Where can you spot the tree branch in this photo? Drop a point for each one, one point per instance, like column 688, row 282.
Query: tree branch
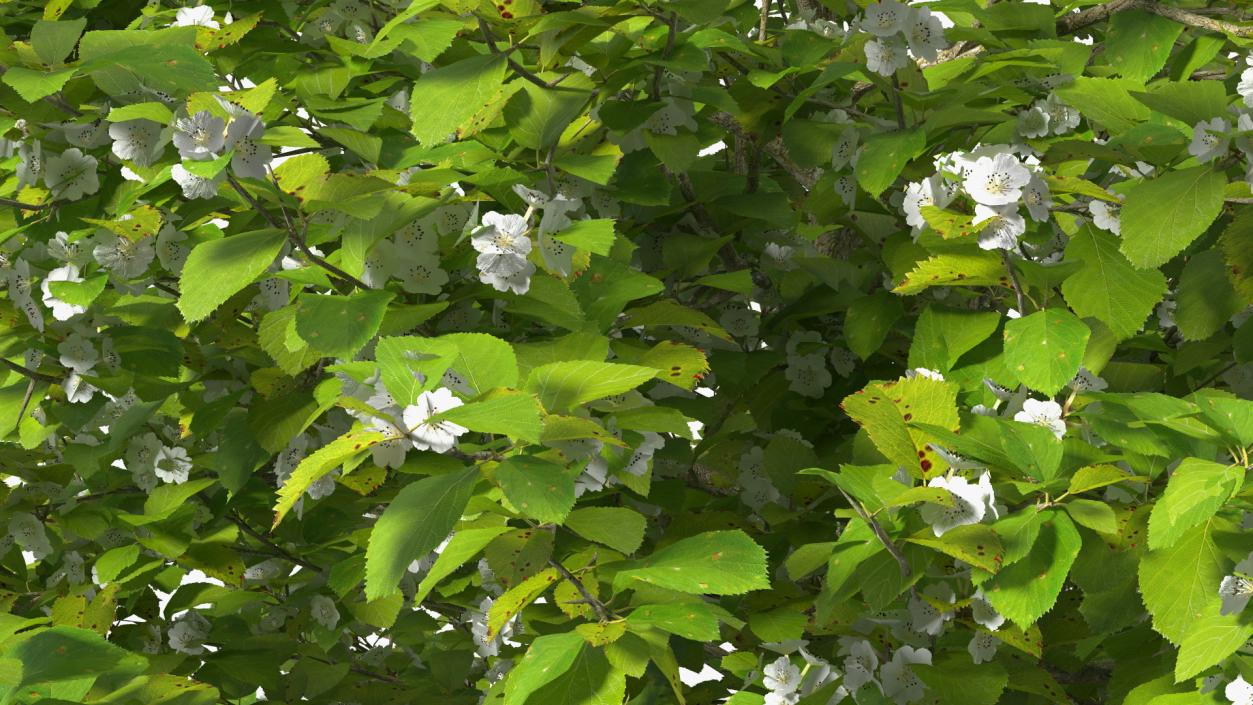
column 30, row 374
column 279, row 551
column 519, row 69
column 25, row 206
column 294, row 237
column 602, row 612
column 880, row 533
column 1074, row 22
column 1013, row 279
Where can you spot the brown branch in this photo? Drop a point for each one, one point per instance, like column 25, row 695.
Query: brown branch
column 521, row 70
column 880, row 533
column 25, row 206
column 30, row 374
column 602, row 612
column 279, row 551
column 1074, row 22
column 294, row 237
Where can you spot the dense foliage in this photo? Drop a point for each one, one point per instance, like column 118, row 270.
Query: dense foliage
column 648, row 351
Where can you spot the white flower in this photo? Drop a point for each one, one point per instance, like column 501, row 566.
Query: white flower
column 195, row 186
column 885, row 18
column 845, row 150
column 756, row 489
column 171, row 251
column 638, row 462
column 69, row 251
column 898, row 679
column 78, row 354
column 195, row 17
column 71, row 174
column 200, row 136
column 846, row 188
column 1037, row 198
column 323, row 611
column 1002, row 226
column 1105, row 215
column 1033, row 122
column 925, row 34
column 31, row 167
column 996, row 181
column 886, row 56
column 77, row 390
column 389, row 453
column 1239, row 691
column 1062, row 117
column 61, row 310
column 141, row 459
column 1210, row 139
column 28, row 532
column 808, row 374
column 971, row 503
column 421, row 273
column 924, row 618
column 982, row 647
column 172, row 465
column 124, row 257
column 740, row 321
column 931, row 191
column 188, row 633
column 1086, row 381
column 87, row 134
column 243, row 135
column 503, row 245
column 782, row 679
column 1046, row 413
column 441, row 436
column 1245, row 86
column 984, row 613
column 1235, row 590
column 140, row 141
column 924, row 373
column 860, row 662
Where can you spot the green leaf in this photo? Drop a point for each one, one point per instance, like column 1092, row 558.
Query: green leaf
column 690, row 620
column 1026, row 590
column 619, row 528
column 318, row 464
column 956, row 680
column 35, row 85
column 417, row 520
column 1188, row 101
column 943, row 335
column 947, row 224
column 589, row 680
column 1209, row 642
column 886, row 409
column 175, row 69
column 446, row 99
column 69, row 653
column 1164, row 215
column 516, row 598
column 1044, row 350
column 1093, row 477
column 547, row 659
column 1107, row 102
column 1196, row 490
column 954, row 269
column 217, row 270
column 1097, row 516
column 539, row 489
column 509, row 413
column 277, row 336
column 593, row 235
column 53, row 41
column 712, row 563
column 464, row 545
column 537, row 116
column 79, row 293
column 1205, row 297
column 1139, row 43
column 885, row 156
column 869, row 320
column 1179, row 584
column 339, row 326
column 976, row 544
column 149, row 110
column 565, row 385
column 1107, row 287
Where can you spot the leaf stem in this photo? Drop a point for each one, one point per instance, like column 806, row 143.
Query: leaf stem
column 879, row 533
column 602, row 612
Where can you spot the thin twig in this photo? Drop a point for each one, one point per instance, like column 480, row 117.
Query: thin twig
column 900, row 105
column 294, row 237
column 602, row 612
column 658, row 70
column 25, row 206
column 1013, row 279
column 279, row 551
column 521, row 70
column 30, row 374
column 880, row 533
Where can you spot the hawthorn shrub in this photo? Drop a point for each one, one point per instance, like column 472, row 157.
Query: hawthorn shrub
column 632, row 351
